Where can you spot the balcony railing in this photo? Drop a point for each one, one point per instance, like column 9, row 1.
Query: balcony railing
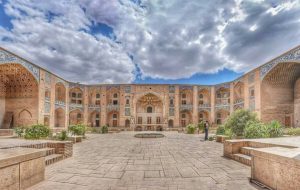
column 94, row 107
column 47, row 99
column 188, row 107
column 113, row 107
column 60, row 103
column 76, row 105
column 204, row 106
column 239, row 101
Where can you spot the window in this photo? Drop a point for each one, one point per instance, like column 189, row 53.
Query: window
column 183, row 123
column 158, row 120
column 171, row 123
column 183, row 115
column 149, row 109
column 79, row 95
column 97, row 102
column 97, row 95
column 115, row 102
column 79, row 116
column 201, row 102
column 127, row 101
column 73, row 101
column 219, row 95
column 219, row 115
column 73, row 95
column 115, row 95
column 149, row 120
column 140, row 120
column 183, row 95
column 97, row 116
column 127, row 123
column 171, row 102
column 183, row 102
column 252, row 94
column 79, row 102
column 115, row 116
column 47, row 94
column 201, row 96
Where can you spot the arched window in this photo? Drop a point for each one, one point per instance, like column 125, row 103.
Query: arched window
column 114, row 116
column 127, row 123
column 79, row 116
column 97, row 96
column 115, row 95
column 149, row 109
column 183, row 115
column 183, row 95
column 201, row 96
column 171, row 123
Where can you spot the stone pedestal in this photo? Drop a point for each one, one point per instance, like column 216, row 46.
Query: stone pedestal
column 277, row 167
column 21, row 168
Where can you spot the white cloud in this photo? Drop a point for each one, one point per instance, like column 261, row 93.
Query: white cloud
column 167, row 39
column 62, row 47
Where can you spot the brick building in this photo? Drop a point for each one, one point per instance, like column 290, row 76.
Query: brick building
column 30, row 94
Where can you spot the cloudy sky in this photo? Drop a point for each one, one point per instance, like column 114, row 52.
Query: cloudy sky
column 149, row 41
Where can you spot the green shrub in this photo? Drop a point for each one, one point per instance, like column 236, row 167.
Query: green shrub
column 220, row 130
column 292, row 131
column 104, row 129
column 228, row 132
column 63, row 135
column 200, row 126
column 274, row 129
column 96, row 130
column 20, row 131
column 211, row 138
column 255, row 129
column 78, row 129
column 237, row 121
column 36, row 132
column 190, row 128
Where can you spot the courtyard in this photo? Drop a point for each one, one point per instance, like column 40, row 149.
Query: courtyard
column 121, row 161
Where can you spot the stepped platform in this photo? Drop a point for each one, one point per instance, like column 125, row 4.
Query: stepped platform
column 275, row 162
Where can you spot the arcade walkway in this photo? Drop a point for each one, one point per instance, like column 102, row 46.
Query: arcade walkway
column 120, row 161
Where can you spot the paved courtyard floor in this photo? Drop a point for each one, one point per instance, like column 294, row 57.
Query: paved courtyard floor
column 121, row 161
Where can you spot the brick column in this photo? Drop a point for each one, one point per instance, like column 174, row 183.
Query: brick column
column 67, row 108
column 52, row 102
column 257, row 93
column 177, row 105
column 85, row 105
column 212, row 104
column 195, row 104
column 231, row 97
column 103, row 99
column 41, row 98
column 246, row 92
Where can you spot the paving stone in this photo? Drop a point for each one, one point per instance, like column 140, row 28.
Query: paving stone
column 120, row 161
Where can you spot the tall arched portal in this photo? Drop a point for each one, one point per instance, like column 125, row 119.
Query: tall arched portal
column 280, row 94
column 149, row 112
column 18, row 96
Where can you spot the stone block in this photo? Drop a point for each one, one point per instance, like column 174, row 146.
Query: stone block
column 9, row 177
column 32, row 172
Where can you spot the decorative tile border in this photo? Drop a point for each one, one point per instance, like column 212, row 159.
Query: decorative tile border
column 6, row 57
column 293, row 55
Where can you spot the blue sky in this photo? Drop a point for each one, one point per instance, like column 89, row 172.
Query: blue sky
column 142, row 41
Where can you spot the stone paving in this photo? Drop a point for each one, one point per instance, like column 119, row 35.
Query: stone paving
column 121, row 161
